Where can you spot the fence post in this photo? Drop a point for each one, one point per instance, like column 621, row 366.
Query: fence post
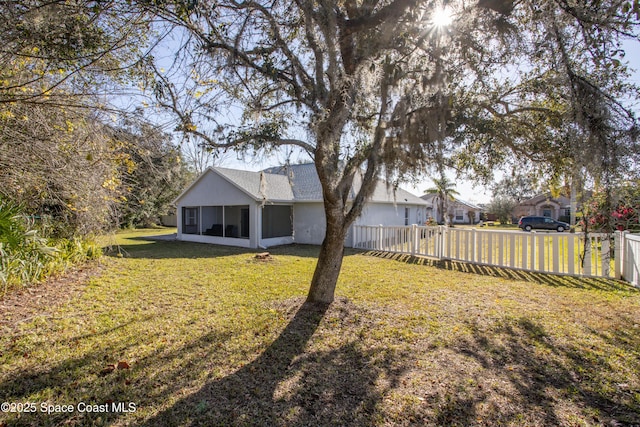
column 533, row 252
column 414, row 239
column 380, row 240
column 605, row 256
column 571, row 253
column 618, row 254
column 555, row 254
column 586, row 261
column 443, row 241
column 474, row 245
column 541, row 248
column 354, row 237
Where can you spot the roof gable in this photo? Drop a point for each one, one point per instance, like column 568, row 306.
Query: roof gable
column 544, row 197
column 257, row 185
column 469, row 205
column 431, row 197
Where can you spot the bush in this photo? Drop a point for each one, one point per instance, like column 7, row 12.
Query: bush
column 28, row 257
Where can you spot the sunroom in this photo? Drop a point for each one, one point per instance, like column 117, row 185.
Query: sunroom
column 215, row 210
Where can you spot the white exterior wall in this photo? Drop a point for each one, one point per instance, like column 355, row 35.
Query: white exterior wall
column 227, row 241
column 213, row 190
column 309, row 225
column 388, row 214
column 308, row 218
column 276, row 241
column 465, row 215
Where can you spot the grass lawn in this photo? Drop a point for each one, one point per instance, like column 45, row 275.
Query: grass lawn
column 190, row 334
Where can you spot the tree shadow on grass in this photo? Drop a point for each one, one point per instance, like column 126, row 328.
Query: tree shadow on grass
column 288, row 385
column 556, row 280
column 548, row 382
column 69, row 380
column 318, row 372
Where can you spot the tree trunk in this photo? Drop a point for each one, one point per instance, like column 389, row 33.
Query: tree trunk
column 325, row 277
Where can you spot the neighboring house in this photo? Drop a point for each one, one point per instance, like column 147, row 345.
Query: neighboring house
column 558, row 208
column 464, row 212
column 277, row 206
column 459, row 211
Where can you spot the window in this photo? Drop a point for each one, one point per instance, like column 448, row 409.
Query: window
column 236, row 221
column 276, row 221
column 459, row 215
column 406, row 216
column 219, row 221
column 212, row 221
column 190, row 220
column 546, row 212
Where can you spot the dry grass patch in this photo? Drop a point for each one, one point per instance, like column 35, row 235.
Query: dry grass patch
column 212, row 337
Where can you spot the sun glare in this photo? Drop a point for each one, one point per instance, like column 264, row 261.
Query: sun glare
column 442, row 17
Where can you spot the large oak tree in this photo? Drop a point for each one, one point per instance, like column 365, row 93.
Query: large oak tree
column 381, row 87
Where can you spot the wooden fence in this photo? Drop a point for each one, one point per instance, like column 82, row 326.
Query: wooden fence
column 599, row 255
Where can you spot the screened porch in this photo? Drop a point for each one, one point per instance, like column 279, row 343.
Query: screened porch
column 267, row 225
column 219, row 221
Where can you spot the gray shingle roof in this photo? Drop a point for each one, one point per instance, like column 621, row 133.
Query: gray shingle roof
column 298, row 183
column 306, row 186
column 259, row 185
column 430, row 197
column 303, row 178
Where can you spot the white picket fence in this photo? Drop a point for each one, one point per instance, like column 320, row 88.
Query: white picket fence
column 630, row 258
column 601, row 255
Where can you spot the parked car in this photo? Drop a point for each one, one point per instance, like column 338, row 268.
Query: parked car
column 528, row 223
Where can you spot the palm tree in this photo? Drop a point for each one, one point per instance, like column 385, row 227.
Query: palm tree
column 444, row 189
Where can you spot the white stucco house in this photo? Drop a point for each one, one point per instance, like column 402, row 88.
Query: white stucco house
column 459, row 211
column 277, row 206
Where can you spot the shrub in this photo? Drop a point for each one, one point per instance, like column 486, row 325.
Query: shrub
column 26, row 256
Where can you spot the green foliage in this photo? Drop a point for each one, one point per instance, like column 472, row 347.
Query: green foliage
column 517, row 187
column 27, row 256
column 431, row 222
column 153, row 175
column 503, row 208
column 84, row 45
column 610, row 211
column 445, row 191
column 24, row 255
column 59, row 61
column 60, row 163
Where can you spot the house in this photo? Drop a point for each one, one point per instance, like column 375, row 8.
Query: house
column 277, row 206
column 459, row 211
column 558, row 208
